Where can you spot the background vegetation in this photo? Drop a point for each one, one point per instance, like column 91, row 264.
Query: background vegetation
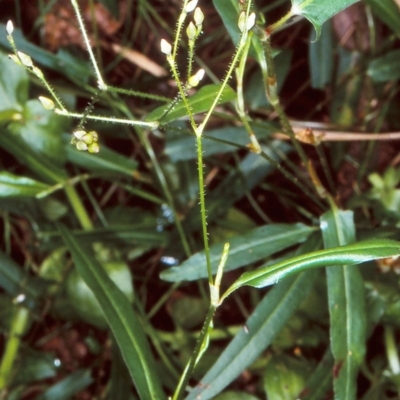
column 72, row 219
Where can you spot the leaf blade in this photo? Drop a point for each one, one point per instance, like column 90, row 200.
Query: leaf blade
column 351, row 254
column 319, row 11
column 122, row 320
column 346, row 299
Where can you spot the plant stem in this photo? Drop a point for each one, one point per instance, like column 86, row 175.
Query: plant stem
column 18, row 326
column 195, row 356
column 199, row 141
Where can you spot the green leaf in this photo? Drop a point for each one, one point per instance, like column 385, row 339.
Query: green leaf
column 41, row 130
column 228, row 10
column 261, row 328
column 252, row 246
column 19, row 186
column 351, row 254
column 41, row 165
column 201, row 101
column 123, row 322
column 14, row 83
column 347, row 309
column 319, row 11
column 67, row 387
column 320, row 58
column 387, row 11
column 83, row 299
column 385, row 68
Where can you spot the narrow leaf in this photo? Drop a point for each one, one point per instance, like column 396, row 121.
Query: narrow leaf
column 199, row 102
column 254, row 245
column 320, row 58
column 347, row 311
column 19, row 186
column 319, row 11
column 123, row 322
column 350, row 254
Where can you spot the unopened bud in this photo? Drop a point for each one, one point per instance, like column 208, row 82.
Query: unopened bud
column 194, row 80
column 191, row 6
column 191, row 31
column 166, row 48
column 25, row 59
column 10, row 27
column 198, row 16
column 47, row 103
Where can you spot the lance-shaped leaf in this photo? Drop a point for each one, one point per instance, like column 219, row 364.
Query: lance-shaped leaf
column 346, row 299
column 252, row 246
column 125, row 325
column 344, row 255
column 319, row 11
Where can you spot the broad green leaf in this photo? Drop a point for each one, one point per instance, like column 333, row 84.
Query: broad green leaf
column 41, row 130
column 347, row 310
column 245, row 249
column 385, row 68
column 201, row 101
column 14, row 84
column 228, row 10
column 351, row 254
column 19, row 186
column 123, row 322
column 261, row 328
column 387, row 11
column 319, row 11
column 320, row 58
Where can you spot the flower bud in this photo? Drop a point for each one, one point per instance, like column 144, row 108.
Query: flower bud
column 10, row 27
column 198, row 16
column 47, row 103
column 166, row 48
column 191, row 31
column 191, row 6
column 25, row 59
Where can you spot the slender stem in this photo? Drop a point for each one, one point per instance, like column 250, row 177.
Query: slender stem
column 19, row 324
column 151, row 125
column 78, row 207
column 199, row 141
column 100, row 80
column 179, row 392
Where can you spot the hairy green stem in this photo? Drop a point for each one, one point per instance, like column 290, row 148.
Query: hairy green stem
column 199, row 142
column 179, row 392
